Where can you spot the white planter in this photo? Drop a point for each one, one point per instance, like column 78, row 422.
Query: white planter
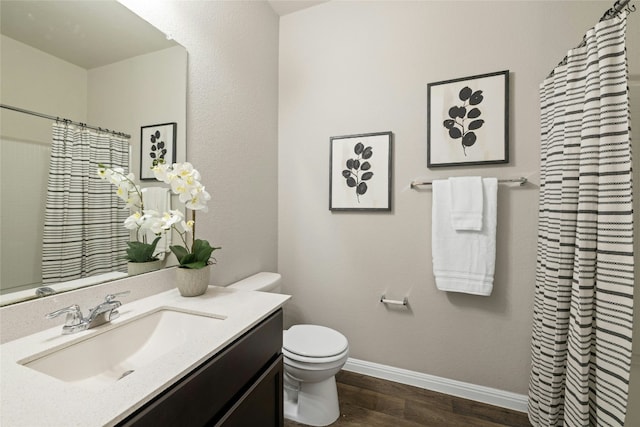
column 192, row 283
column 135, row 268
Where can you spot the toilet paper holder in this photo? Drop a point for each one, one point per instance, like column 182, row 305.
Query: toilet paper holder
column 404, row 302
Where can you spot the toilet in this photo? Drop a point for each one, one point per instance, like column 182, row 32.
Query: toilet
column 312, row 355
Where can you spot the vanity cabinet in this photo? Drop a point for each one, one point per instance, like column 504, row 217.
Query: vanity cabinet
column 241, row 386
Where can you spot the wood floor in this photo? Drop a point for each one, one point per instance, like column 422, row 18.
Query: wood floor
column 370, row 402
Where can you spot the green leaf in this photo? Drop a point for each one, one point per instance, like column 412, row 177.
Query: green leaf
column 179, row 251
column 198, row 257
column 142, row 252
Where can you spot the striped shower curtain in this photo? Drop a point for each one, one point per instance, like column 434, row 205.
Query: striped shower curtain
column 83, row 231
column 583, row 307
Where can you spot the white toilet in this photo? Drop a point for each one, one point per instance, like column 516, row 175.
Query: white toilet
column 312, row 356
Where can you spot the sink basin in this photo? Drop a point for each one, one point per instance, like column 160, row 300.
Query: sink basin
column 103, row 359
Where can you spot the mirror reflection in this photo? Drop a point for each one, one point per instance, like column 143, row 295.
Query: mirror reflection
column 94, row 63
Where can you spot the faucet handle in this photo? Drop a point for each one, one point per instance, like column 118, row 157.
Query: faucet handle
column 111, row 297
column 73, row 312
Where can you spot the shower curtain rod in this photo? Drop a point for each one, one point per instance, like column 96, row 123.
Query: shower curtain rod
column 617, row 7
column 58, row 119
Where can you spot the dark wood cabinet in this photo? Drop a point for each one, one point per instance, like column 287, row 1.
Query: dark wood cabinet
column 239, row 386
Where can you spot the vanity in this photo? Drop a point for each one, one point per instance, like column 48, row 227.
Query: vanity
column 167, row 360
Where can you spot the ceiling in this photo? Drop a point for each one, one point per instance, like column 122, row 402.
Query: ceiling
column 88, row 34
column 83, row 32
column 285, row 7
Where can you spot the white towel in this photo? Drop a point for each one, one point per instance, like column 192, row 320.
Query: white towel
column 466, row 202
column 159, row 200
column 463, row 260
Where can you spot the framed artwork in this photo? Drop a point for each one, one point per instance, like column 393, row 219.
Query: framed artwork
column 468, row 120
column 360, row 172
column 157, row 142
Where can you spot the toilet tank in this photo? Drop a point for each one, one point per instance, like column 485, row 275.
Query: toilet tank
column 264, row 281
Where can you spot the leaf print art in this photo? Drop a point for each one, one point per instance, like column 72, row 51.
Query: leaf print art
column 464, row 121
column 358, row 169
column 158, row 148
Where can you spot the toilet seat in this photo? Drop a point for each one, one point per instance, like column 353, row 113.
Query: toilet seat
column 292, row 357
column 314, row 344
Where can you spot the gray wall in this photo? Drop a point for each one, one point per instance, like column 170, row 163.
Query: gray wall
column 358, row 67
column 352, row 67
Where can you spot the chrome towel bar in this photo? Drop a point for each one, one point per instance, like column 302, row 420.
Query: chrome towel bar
column 521, row 181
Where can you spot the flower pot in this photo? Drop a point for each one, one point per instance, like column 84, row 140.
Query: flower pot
column 192, row 282
column 134, row 268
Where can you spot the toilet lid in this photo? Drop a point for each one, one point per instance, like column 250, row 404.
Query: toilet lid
column 314, row 341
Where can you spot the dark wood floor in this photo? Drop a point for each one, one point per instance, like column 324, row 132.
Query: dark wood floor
column 370, row 402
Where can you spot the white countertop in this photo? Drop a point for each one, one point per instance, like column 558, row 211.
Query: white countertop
column 30, row 398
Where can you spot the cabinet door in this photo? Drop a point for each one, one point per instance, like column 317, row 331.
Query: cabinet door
column 261, row 405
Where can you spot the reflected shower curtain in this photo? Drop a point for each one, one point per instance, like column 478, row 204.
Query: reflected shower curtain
column 83, row 232
column 583, row 307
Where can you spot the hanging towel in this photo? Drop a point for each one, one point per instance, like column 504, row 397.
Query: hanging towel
column 159, row 200
column 464, row 260
column 466, row 202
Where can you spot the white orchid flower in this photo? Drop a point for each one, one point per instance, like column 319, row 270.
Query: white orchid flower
column 123, row 191
column 183, row 169
column 187, row 226
column 178, row 187
column 160, row 171
column 131, row 222
column 149, row 218
column 197, row 199
column 172, row 217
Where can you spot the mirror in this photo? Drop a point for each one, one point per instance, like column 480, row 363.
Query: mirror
column 90, row 62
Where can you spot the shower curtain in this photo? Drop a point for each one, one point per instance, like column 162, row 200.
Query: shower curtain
column 583, row 306
column 83, row 231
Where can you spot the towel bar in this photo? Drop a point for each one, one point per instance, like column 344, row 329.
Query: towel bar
column 522, row 181
column 384, row 300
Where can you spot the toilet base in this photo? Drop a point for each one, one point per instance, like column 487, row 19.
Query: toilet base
column 314, row 404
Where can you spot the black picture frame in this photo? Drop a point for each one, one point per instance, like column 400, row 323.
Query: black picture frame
column 468, row 120
column 360, row 172
column 156, row 142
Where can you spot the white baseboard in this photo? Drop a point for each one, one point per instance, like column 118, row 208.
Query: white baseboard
column 491, row 396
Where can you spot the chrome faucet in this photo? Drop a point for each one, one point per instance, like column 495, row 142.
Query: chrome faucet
column 104, row 312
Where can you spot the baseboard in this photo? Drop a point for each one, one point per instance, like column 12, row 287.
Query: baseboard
column 491, row 396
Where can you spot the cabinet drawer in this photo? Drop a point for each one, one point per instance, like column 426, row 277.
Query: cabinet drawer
column 262, row 404
column 207, row 393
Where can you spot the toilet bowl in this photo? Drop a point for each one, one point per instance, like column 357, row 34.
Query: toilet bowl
column 312, row 356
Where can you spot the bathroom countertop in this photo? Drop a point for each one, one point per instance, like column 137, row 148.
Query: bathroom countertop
column 31, row 398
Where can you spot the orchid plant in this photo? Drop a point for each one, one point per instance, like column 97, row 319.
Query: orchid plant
column 140, row 221
column 184, row 181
